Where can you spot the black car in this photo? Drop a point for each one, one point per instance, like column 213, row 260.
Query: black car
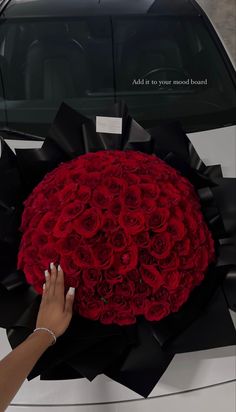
column 163, row 58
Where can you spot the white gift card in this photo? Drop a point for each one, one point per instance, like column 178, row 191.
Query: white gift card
column 109, row 124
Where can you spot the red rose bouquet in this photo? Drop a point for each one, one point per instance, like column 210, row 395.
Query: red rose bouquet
column 127, row 230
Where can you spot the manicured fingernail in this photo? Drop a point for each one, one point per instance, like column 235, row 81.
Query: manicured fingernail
column 46, row 272
column 59, row 267
column 44, row 286
column 71, row 291
column 51, row 265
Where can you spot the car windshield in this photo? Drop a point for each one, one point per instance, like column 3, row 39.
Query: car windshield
column 163, row 67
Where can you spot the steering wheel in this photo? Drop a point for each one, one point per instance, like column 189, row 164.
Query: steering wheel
column 169, row 69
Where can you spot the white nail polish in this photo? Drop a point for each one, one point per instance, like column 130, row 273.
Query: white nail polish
column 44, row 286
column 59, row 267
column 51, row 265
column 46, row 272
column 71, row 291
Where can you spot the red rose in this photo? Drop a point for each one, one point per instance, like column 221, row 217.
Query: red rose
column 69, row 265
column 88, row 223
column 186, row 279
column 197, row 278
column 148, row 205
column 176, row 228
column 177, row 212
column 48, row 254
column 114, row 171
column 172, row 280
column 132, row 222
column 72, row 210
column 73, row 280
column 142, row 239
column 30, row 253
column 84, row 193
column 171, row 262
column 151, row 276
column 158, row 220
column 34, row 274
column 47, row 223
column 149, row 190
column 91, row 309
column 120, row 304
column 170, row 191
column 125, row 289
column 68, row 193
column 109, row 223
column 62, row 229
column 186, row 262
column 39, row 239
column 131, row 178
column 112, row 276
column 142, row 289
column 162, row 294
column 34, row 222
column 125, row 318
column 134, row 275
column 75, row 176
column 116, row 207
column 105, row 290
column 115, row 185
column 84, row 257
column 91, row 179
column 156, row 310
column 104, row 256
column 119, row 240
column 91, row 277
column 132, row 197
column 163, row 201
column 54, row 203
column 99, row 239
column 184, row 187
column 126, row 260
column 101, row 198
column 146, row 258
column 67, row 244
column 161, row 245
column 192, row 224
column 138, row 305
column 84, row 294
column 183, row 247
column 40, row 202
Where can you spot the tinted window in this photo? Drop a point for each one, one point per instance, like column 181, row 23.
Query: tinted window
column 163, row 67
column 170, row 68
column 45, row 62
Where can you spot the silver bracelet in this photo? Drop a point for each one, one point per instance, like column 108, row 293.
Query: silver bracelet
column 49, row 331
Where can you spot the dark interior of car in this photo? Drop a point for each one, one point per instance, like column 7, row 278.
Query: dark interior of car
column 90, row 58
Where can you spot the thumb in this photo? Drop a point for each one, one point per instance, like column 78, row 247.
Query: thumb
column 69, row 300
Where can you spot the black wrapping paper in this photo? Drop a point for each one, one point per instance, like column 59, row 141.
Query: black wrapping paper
column 135, row 355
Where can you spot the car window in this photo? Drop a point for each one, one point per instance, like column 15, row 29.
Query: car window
column 169, row 68
column 163, row 67
column 45, row 62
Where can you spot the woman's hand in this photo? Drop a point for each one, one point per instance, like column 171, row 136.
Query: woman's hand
column 55, row 311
